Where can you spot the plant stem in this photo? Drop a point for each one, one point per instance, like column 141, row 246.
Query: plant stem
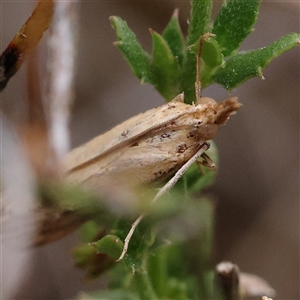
column 144, row 286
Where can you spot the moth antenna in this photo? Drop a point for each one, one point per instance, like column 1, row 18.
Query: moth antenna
column 198, row 86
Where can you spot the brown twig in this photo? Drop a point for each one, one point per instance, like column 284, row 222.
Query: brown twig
column 228, row 279
column 25, row 41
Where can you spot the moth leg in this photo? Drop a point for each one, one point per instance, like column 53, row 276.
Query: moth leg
column 206, row 162
column 163, row 190
column 204, row 147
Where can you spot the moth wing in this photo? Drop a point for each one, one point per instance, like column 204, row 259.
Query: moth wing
column 125, row 133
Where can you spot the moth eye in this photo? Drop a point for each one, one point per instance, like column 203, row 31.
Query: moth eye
column 208, row 131
column 206, row 100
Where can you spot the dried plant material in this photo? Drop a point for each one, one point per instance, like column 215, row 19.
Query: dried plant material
column 238, row 285
column 266, row 298
column 47, row 116
column 255, row 286
column 53, row 224
column 25, row 41
column 228, row 279
column 34, row 130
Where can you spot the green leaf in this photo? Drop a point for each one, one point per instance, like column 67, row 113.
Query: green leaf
column 199, row 23
column 174, row 37
column 94, row 263
column 137, row 58
column 165, row 70
column 89, row 231
column 83, row 255
column 139, row 244
column 249, row 64
column 211, row 53
column 212, row 58
column 234, row 23
column 110, row 245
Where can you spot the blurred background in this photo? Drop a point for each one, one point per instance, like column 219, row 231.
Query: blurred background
column 257, row 189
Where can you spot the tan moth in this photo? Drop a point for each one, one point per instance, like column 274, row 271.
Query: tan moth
column 151, row 146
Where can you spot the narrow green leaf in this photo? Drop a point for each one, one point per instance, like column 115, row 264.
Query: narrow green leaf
column 212, row 58
column 200, row 17
column 137, row 58
column 165, row 70
column 174, row 37
column 234, row 23
column 249, row 64
column 110, row 245
column 211, row 53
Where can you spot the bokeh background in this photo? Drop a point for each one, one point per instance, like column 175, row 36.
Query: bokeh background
column 257, row 189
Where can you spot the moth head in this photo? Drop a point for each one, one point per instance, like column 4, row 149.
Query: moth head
column 208, row 131
column 206, row 101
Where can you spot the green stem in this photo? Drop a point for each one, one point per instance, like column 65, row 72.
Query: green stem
column 144, row 286
column 157, row 270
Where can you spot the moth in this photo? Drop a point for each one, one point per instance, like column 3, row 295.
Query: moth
column 151, row 146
